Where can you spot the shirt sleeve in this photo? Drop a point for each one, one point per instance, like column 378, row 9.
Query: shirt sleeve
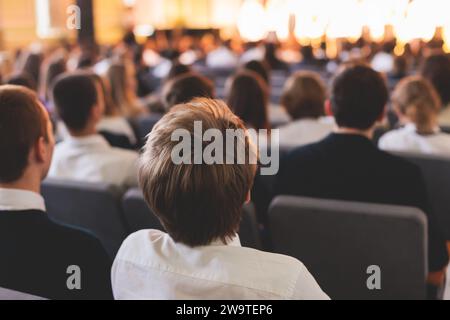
column 307, row 287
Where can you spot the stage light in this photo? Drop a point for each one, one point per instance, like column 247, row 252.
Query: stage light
column 346, row 19
column 251, row 21
column 417, row 22
column 311, row 18
column 277, row 17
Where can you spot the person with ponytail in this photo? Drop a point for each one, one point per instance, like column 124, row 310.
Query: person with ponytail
column 417, row 105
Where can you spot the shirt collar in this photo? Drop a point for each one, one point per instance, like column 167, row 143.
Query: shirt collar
column 412, row 127
column 234, row 242
column 92, row 140
column 20, row 200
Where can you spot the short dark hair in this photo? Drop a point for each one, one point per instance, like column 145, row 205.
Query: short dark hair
column 436, row 69
column 22, row 79
column 359, row 96
column 248, row 97
column 74, row 96
column 185, row 88
column 260, row 67
column 22, row 123
column 176, row 70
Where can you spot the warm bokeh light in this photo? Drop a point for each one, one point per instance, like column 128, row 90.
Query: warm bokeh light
column 311, row 18
column 277, row 16
column 418, row 22
column 346, row 19
column 251, row 21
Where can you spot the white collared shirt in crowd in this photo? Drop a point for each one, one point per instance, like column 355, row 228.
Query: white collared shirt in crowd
column 306, row 131
column 407, row 139
column 151, row 266
column 92, row 159
column 222, row 57
column 20, row 200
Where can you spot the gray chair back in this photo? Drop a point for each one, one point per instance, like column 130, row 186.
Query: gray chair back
column 436, row 171
column 340, row 242
column 138, row 216
column 93, row 207
column 10, row 295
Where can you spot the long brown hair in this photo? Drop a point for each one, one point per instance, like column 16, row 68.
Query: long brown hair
column 248, row 98
column 416, row 98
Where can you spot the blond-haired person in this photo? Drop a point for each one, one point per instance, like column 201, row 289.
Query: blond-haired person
column 417, row 105
column 200, row 207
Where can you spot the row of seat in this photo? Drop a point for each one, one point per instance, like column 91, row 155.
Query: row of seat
column 338, row 241
column 112, row 214
column 436, row 172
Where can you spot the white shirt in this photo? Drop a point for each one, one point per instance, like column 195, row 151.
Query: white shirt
column 20, row 200
column 444, row 117
column 222, row 57
column 408, row 140
column 306, row 131
column 119, row 126
column 151, row 266
column 92, row 159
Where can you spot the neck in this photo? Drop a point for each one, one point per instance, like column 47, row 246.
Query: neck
column 365, row 133
column 88, row 131
column 28, row 182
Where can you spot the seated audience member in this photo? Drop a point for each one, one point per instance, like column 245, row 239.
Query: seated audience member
column 201, row 207
column 114, row 124
column 436, row 69
column 85, row 155
column 304, row 99
column 347, row 166
column 417, row 105
column 37, row 252
column 222, row 57
column 186, row 87
column 248, row 99
column 260, row 67
column 176, row 70
column 23, row 80
column 52, row 68
column 122, row 78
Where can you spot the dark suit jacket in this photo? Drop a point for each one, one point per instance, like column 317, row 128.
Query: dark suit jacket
column 36, row 253
column 351, row 168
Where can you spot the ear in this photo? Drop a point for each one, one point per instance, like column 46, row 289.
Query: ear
column 97, row 113
column 383, row 115
column 328, row 108
column 39, row 152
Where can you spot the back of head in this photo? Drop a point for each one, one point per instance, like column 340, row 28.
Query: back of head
column 186, row 87
column 260, row 67
column 415, row 98
column 22, row 123
column 248, row 98
column 74, row 96
column 358, row 98
column 304, row 95
column 22, row 79
column 196, row 203
column 176, row 70
column 436, row 69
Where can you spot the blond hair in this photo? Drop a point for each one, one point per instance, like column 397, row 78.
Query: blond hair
column 197, row 204
column 416, row 98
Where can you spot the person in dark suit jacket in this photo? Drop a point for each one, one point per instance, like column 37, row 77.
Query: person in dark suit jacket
column 347, row 165
column 39, row 256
